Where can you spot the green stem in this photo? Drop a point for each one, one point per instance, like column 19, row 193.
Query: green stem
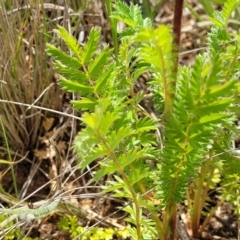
column 193, row 12
column 236, row 56
column 159, row 225
column 10, row 158
column 213, row 210
column 170, row 221
column 199, row 199
column 147, row 9
column 129, row 186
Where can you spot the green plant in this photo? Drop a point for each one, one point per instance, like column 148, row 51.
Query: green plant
column 10, row 158
column 197, row 106
column 14, row 232
column 70, row 224
column 113, row 24
column 149, row 8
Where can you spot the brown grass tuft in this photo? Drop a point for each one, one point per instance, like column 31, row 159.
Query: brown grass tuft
column 25, row 70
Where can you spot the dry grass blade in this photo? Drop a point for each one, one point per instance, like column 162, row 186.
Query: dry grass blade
column 25, row 71
column 44, row 5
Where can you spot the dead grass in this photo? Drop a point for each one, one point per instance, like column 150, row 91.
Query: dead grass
column 25, row 73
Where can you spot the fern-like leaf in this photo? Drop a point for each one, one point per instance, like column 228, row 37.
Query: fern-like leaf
column 129, row 15
column 228, row 8
column 65, row 59
column 102, row 82
column 84, row 103
column 73, row 86
column 98, row 65
column 70, row 41
column 70, row 73
column 91, row 46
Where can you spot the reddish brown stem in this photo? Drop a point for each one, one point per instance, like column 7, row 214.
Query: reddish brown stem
column 171, row 213
column 177, row 20
column 177, row 23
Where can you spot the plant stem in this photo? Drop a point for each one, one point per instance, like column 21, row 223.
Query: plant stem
column 113, row 23
column 193, row 12
column 220, row 202
column 177, row 23
column 128, row 184
column 171, row 212
column 200, row 194
column 10, row 158
column 170, row 221
column 147, row 9
column 159, row 225
column 170, row 84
